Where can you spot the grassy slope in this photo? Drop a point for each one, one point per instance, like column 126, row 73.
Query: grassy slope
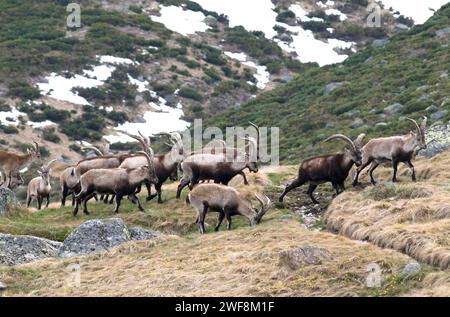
column 406, row 69
column 183, row 262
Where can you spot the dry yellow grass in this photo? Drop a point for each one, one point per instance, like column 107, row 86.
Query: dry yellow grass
column 243, row 262
column 414, row 218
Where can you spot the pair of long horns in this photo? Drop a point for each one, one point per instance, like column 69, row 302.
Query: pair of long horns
column 174, row 138
column 421, row 128
column 264, row 206
column 346, row 139
column 257, row 138
column 145, row 141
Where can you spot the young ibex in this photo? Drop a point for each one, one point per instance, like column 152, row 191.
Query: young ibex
column 40, row 187
column 395, row 149
column 12, row 163
column 332, row 168
column 116, row 181
column 227, row 202
column 166, row 165
column 216, row 167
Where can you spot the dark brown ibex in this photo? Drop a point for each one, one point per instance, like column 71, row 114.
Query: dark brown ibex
column 227, row 202
column 332, row 168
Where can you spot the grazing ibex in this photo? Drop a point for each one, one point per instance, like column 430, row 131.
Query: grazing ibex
column 395, row 149
column 40, row 187
column 227, row 202
column 166, row 165
column 116, row 181
column 217, row 167
column 12, row 163
column 332, row 168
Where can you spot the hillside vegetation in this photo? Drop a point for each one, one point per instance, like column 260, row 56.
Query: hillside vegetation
column 410, row 70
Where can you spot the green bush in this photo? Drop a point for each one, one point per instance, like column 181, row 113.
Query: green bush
column 50, row 135
column 285, row 16
column 190, row 93
column 4, row 106
column 23, row 90
column 8, row 129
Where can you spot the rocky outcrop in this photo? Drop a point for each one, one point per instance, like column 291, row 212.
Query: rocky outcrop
column 438, row 140
column 304, row 255
column 93, row 236
column 7, row 200
column 22, row 249
column 394, row 108
column 333, row 86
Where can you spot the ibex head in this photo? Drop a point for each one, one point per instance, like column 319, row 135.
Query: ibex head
column 261, row 211
column 46, row 172
column 420, row 133
column 355, row 147
column 35, row 152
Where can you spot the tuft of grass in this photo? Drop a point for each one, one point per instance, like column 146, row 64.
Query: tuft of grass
column 392, row 190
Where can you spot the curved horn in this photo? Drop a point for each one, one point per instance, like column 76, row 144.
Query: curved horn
column 257, row 138
column 146, row 139
column 264, row 207
column 47, row 167
column 415, row 123
column 149, row 157
column 36, row 146
column 140, row 139
column 342, row 137
column 358, row 141
column 93, row 148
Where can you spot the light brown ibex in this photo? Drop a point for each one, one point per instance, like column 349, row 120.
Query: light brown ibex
column 40, row 187
column 12, row 163
column 227, row 202
column 396, row 149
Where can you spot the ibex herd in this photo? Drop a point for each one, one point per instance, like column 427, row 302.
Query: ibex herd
column 123, row 175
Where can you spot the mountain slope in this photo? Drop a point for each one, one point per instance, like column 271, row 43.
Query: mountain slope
column 411, row 70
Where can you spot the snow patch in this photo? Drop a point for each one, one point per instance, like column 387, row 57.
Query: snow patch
column 181, row 21
column 420, row 11
column 302, row 15
column 342, row 16
column 262, row 76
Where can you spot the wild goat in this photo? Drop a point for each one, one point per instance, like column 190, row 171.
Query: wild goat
column 332, row 168
column 395, row 149
column 117, row 181
column 12, row 163
column 217, row 167
column 166, row 165
column 227, row 202
column 64, row 179
column 40, row 187
column 222, row 148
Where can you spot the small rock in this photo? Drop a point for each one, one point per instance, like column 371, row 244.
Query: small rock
column 443, row 32
column 286, row 78
column 369, row 59
column 138, row 233
column 332, row 86
column 3, row 286
column 358, row 122
column 380, row 42
column 401, row 27
column 381, row 124
column 394, row 108
column 329, row 125
column 412, row 268
column 285, row 37
column 432, row 108
column 304, row 255
column 439, row 115
column 352, row 114
column 211, row 21
column 384, row 62
column 139, row 99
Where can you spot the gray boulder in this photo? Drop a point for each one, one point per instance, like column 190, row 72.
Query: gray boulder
column 22, row 249
column 356, row 123
column 443, row 32
column 138, row 233
column 7, row 200
column 95, row 236
column 211, row 21
column 394, row 108
column 380, row 42
column 100, row 235
column 438, row 115
column 401, row 27
column 304, row 255
column 411, row 268
column 332, row 86
column 432, row 108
